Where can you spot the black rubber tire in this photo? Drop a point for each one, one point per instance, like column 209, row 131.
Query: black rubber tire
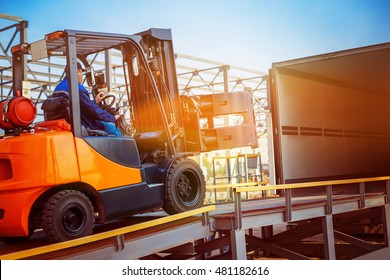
column 185, row 187
column 67, row 215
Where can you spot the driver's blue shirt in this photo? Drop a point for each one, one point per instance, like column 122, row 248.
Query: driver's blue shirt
column 91, row 113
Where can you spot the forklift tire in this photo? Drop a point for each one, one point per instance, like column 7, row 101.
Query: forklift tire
column 185, row 187
column 67, row 215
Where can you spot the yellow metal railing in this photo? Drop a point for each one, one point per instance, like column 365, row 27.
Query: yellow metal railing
column 237, row 190
column 230, row 187
column 118, row 233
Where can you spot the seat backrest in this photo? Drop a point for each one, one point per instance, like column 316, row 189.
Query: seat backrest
column 56, row 107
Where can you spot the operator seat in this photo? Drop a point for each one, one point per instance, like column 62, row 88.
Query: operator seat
column 55, row 108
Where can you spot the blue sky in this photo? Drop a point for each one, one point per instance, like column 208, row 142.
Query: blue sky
column 247, row 33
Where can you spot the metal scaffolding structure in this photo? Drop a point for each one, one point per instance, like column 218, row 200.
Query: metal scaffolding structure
column 10, row 34
column 195, row 75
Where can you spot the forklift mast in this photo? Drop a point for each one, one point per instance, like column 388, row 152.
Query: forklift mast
column 158, row 47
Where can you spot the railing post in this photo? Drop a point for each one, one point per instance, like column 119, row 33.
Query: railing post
column 388, row 191
column 329, row 200
column 119, row 242
column 362, row 192
column 237, row 236
column 205, row 218
column 288, row 205
column 237, row 209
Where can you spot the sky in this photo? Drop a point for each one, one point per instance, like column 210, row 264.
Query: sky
column 246, row 33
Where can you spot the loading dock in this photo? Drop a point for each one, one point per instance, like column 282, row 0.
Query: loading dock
column 226, row 231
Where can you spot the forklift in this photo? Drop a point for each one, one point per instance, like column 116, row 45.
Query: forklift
column 62, row 177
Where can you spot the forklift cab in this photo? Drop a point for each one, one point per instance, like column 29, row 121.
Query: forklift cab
column 137, row 95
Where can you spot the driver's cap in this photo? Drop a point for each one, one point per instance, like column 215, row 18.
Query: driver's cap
column 79, row 66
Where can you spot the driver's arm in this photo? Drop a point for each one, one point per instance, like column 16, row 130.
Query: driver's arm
column 91, row 109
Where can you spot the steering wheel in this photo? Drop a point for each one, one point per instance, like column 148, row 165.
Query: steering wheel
column 107, row 106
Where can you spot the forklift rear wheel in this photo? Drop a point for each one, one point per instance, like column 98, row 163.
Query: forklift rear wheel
column 67, row 215
column 185, row 187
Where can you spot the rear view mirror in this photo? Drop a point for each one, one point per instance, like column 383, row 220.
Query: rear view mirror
column 90, row 75
column 100, row 80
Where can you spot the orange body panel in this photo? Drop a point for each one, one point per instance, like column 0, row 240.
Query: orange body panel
column 17, row 205
column 34, row 163
column 102, row 173
column 38, row 162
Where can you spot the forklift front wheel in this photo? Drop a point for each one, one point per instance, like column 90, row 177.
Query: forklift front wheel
column 185, row 187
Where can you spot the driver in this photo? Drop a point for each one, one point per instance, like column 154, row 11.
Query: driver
column 92, row 116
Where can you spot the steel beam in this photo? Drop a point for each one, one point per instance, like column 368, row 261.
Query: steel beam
column 273, row 248
column 386, row 224
column 238, row 244
column 73, row 83
column 328, row 233
column 10, row 17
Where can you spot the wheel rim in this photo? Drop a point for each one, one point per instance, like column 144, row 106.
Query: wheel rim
column 73, row 219
column 187, row 188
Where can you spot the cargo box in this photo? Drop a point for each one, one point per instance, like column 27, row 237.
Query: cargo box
column 330, row 115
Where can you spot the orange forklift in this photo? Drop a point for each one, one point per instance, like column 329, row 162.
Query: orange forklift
column 64, row 178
